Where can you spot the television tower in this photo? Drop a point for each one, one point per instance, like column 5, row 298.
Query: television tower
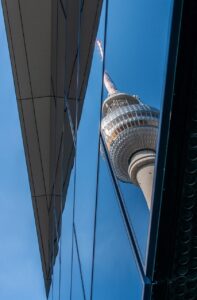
column 129, row 129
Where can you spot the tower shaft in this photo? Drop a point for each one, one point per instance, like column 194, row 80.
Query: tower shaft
column 141, row 172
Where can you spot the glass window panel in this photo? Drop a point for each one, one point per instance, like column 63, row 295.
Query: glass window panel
column 116, row 275
column 135, row 59
column 50, row 294
column 136, row 55
column 77, row 290
column 68, row 185
column 56, row 282
column 66, row 240
column 136, row 206
column 86, row 164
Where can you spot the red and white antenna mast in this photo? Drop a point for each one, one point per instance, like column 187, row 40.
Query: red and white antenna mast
column 109, row 85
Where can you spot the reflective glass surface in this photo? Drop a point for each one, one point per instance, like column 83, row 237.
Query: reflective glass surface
column 78, row 290
column 116, row 275
column 105, row 220
column 50, row 294
column 56, row 277
column 135, row 59
column 66, row 241
column 86, row 166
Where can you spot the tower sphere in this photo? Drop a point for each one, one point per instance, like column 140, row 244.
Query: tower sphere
column 128, row 127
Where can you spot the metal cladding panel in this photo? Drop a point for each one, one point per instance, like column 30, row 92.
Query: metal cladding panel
column 43, row 44
column 17, row 48
column 36, row 28
column 29, row 121
column 71, row 36
column 58, row 50
column 42, row 223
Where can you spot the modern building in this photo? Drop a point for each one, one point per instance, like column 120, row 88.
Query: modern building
column 97, row 237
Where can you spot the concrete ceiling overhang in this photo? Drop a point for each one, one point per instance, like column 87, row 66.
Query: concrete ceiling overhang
column 45, row 55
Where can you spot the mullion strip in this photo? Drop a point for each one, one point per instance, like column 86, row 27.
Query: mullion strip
column 98, row 158
column 76, row 125
column 79, row 260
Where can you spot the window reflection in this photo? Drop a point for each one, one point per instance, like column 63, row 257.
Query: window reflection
column 50, row 294
column 104, row 265
column 135, row 63
column 86, row 170
column 66, row 241
column 116, row 275
column 86, row 166
column 56, row 278
column 78, row 291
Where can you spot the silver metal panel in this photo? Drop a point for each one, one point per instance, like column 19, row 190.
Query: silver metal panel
column 43, row 123
column 17, row 49
column 44, row 236
column 30, row 138
column 58, row 56
column 57, row 119
column 36, row 28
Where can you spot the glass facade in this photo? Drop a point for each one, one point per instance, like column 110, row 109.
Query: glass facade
column 105, row 222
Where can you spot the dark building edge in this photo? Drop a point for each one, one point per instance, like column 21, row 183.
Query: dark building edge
column 172, row 260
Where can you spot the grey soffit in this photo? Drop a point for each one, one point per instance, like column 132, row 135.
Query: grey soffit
column 43, row 44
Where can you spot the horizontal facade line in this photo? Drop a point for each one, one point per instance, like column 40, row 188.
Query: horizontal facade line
column 40, row 98
column 48, row 96
column 47, row 195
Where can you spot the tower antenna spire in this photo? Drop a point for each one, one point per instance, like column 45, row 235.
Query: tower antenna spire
column 109, row 85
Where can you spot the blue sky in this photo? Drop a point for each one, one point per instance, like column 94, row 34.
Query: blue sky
column 137, row 43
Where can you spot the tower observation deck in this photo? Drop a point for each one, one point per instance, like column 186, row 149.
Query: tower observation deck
column 129, row 129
